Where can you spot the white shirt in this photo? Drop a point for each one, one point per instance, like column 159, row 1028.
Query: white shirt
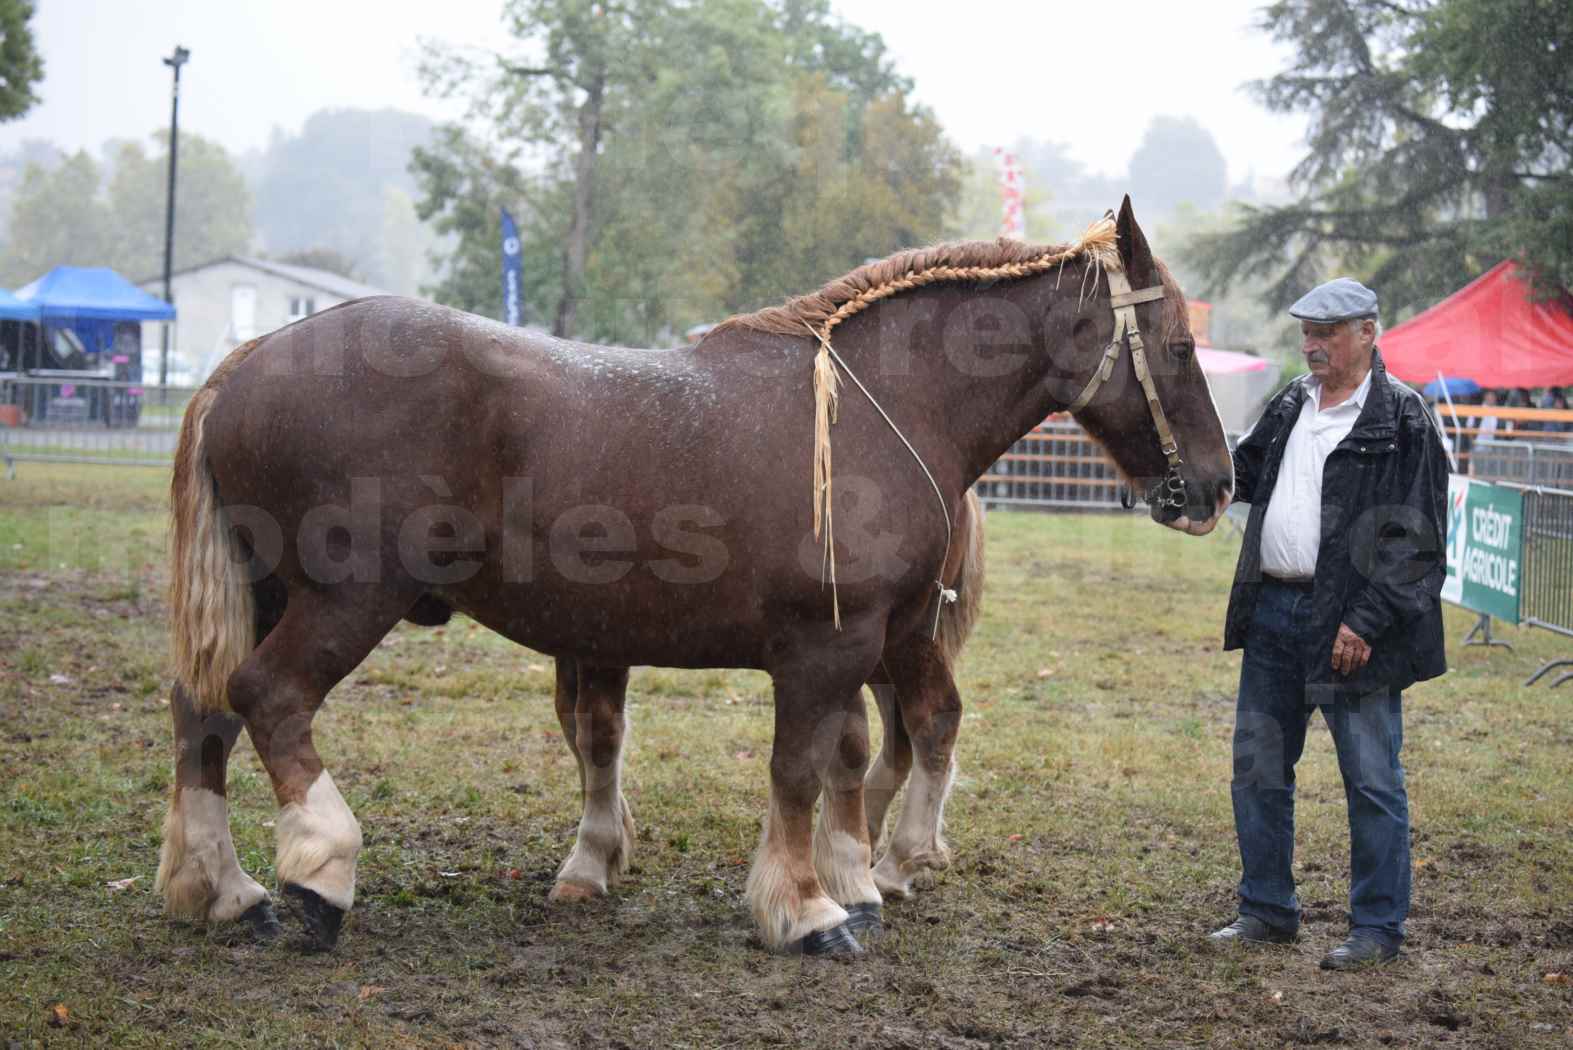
column 1292, row 527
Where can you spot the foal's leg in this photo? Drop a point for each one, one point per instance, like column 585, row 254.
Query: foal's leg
column 812, row 749
column 565, row 698
column 842, row 849
column 277, row 691
column 198, row 873
column 931, row 712
column 591, row 713
column 893, row 762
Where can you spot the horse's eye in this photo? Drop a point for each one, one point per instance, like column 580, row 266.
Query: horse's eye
column 1182, row 350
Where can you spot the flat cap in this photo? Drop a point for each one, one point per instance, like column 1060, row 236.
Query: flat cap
column 1341, row 299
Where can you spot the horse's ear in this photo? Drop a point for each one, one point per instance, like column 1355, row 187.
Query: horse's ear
column 1134, row 252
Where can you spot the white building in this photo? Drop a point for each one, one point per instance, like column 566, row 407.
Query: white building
column 223, row 303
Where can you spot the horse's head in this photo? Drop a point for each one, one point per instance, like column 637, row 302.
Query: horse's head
column 1138, row 322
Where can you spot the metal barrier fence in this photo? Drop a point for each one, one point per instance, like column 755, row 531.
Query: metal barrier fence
column 1547, row 597
column 57, row 420
column 54, row 420
column 1055, row 465
column 1548, row 560
column 1523, row 463
column 1469, row 427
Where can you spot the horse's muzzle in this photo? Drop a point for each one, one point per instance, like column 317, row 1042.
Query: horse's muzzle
column 1197, row 511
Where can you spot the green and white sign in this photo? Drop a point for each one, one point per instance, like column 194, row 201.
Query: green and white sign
column 1485, row 531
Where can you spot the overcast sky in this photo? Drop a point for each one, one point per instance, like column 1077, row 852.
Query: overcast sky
column 1090, row 75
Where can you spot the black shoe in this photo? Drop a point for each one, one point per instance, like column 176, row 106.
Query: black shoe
column 1248, row 929
column 1359, row 952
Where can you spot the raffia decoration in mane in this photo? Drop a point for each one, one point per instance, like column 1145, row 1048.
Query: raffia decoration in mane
column 820, row 312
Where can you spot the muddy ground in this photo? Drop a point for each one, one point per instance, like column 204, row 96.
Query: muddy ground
column 1093, row 842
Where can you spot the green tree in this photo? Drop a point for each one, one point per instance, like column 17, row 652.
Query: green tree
column 69, row 215
column 212, row 207
column 593, row 56
column 57, row 218
column 843, row 206
column 21, row 66
column 406, row 245
column 464, row 186
column 1439, row 143
column 1177, row 163
column 327, row 189
column 742, row 150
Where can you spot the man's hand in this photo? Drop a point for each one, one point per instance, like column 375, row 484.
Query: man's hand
column 1350, row 652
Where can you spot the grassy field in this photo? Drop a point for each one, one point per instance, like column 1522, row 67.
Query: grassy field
column 1091, row 827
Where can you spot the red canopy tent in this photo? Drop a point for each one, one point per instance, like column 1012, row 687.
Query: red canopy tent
column 1491, row 331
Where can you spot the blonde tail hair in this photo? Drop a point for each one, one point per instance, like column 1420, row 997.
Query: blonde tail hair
column 212, row 611
column 957, row 621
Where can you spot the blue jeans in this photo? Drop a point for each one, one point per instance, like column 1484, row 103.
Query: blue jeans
column 1271, row 716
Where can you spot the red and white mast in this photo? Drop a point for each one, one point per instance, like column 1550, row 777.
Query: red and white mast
column 1013, row 217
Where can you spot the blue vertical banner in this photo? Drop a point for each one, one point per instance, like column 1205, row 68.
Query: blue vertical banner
column 512, row 261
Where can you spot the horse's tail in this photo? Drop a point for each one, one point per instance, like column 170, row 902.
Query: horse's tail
column 212, row 610
column 957, row 621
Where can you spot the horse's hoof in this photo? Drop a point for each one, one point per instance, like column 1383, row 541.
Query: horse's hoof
column 837, row 940
column 571, row 893
column 864, row 920
column 321, row 918
column 892, row 887
column 263, row 920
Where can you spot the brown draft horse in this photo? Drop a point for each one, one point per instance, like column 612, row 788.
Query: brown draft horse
column 389, row 459
column 590, row 709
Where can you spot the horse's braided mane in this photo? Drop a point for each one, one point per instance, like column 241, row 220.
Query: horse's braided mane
column 818, row 313
column 1003, row 259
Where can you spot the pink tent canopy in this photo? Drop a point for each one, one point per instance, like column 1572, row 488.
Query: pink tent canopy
column 1491, row 331
column 1227, row 362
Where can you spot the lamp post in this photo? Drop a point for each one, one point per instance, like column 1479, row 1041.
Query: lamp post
column 174, row 62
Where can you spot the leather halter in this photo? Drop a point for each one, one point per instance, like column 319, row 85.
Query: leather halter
column 1170, row 491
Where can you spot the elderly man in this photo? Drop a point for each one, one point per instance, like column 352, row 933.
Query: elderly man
column 1336, row 603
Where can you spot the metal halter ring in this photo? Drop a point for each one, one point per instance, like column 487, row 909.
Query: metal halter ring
column 1169, row 491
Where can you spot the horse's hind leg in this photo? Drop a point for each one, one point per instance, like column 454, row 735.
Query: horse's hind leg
column 277, row 691
column 930, row 709
column 198, row 873
column 590, row 709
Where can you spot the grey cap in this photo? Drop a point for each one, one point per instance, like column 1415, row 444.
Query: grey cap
column 1341, row 299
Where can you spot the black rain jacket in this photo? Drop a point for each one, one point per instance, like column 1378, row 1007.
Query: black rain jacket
column 1382, row 557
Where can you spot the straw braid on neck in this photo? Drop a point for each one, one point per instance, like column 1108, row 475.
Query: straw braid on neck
column 1098, row 244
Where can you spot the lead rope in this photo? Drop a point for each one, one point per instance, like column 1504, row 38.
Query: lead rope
column 947, row 596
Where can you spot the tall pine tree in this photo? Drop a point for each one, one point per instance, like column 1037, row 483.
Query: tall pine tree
column 1439, row 143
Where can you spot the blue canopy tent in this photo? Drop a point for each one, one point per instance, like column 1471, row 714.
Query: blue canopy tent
column 90, row 301
column 14, row 309
column 90, row 345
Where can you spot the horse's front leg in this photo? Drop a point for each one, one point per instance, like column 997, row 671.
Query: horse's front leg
column 590, row 703
column 819, row 745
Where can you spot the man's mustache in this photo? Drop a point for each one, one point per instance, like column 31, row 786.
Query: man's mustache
column 1317, row 357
